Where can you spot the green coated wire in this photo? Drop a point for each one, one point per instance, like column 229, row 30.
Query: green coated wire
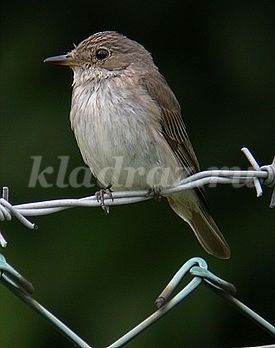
column 22, row 289
column 196, row 266
column 226, row 291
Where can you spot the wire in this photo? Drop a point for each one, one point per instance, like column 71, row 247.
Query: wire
column 257, row 176
column 196, row 267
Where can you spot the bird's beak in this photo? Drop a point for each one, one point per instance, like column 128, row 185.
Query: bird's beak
column 61, row 60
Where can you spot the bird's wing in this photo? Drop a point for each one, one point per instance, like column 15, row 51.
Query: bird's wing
column 172, row 126
column 173, row 130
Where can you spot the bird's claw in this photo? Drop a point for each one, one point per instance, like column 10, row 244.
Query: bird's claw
column 155, row 192
column 100, row 196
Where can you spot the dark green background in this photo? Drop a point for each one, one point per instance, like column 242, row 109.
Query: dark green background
column 101, row 274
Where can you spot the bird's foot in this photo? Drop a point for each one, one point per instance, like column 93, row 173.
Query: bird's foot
column 155, row 192
column 101, row 195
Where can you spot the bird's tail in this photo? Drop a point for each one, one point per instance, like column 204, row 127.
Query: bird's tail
column 194, row 211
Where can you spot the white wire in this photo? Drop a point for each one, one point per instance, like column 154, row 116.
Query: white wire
column 20, row 211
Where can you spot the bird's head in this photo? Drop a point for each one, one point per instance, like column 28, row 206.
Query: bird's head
column 105, row 54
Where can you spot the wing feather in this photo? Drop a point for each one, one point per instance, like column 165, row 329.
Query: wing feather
column 172, row 125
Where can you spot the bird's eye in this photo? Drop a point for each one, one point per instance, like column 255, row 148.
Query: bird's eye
column 102, row 53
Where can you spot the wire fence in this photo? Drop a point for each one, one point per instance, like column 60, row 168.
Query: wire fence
column 258, row 176
column 196, row 267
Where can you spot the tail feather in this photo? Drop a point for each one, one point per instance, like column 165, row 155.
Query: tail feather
column 196, row 214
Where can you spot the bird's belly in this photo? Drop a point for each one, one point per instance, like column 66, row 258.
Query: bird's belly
column 122, row 149
column 127, row 157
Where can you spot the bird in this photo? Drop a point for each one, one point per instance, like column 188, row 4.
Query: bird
column 129, row 128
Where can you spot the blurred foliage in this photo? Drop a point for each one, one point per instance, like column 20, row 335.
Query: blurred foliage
column 101, row 274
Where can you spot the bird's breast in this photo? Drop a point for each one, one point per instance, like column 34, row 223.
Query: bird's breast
column 118, row 132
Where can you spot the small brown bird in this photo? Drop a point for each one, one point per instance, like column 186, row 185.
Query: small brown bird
column 129, row 129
